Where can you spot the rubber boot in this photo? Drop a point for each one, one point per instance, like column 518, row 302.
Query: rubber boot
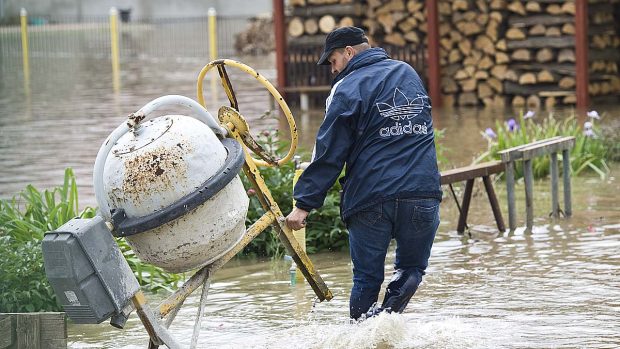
column 399, row 291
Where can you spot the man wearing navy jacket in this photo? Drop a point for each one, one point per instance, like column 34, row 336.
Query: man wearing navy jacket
column 378, row 123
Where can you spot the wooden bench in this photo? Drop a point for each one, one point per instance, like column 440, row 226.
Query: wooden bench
column 527, row 153
column 304, row 91
column 469, row 174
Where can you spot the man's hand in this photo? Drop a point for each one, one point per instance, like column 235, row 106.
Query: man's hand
column 296, row 219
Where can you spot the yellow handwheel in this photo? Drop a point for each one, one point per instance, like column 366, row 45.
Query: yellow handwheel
column 220, row 63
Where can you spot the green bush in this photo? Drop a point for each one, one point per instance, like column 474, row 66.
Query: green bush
column 589, row 152
column 23, row 223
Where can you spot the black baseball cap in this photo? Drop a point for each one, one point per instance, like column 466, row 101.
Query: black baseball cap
column 339, row 38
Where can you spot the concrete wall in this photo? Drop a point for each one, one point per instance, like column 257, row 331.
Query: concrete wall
column 145, row 9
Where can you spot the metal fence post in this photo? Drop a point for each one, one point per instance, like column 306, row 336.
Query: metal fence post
column 212, row 33
column 23, row 18
column 116, row 81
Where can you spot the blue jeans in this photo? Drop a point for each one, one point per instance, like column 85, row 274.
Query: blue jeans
column 411, row 222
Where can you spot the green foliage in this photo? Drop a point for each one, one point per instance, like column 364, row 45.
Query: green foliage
column 23, row 223
column 325, row 230
column 589, row 152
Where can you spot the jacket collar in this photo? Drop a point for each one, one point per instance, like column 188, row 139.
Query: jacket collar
column 362, row 59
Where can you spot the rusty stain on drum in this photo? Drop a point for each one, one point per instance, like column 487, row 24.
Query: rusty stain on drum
column 155, row 169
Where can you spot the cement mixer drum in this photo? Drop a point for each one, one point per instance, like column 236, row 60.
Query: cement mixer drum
column 158, row 163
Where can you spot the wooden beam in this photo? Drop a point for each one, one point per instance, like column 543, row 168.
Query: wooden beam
column 280, row 36
column 581, row 55
column 473, row 171
column 434, row 74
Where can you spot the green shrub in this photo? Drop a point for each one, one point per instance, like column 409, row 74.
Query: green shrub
column 589, row 152
column 23, row 223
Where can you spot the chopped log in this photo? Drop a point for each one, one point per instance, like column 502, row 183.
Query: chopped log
column 444, row 29
column 518, row 101
column 496, row 84
column 391, row 6
column 482, row 6
column 443, row 8
column 567, row 82
column 540, row 42
column 346, row 21
column 532, row 6
column 459, row 5
column 468, row 28
column 454, row 56
column 499, row 71
column 569, row 7
column 553, row 31
column 511, row 75
column 481, row 75
column 544, row 55
column 528, row 21
column 485, row 44
column 537, row 30
column 568, row 28
column 545, row 76
column 515, row 34
column 408, row 24
column 501, row 45
column 355, row 10
column 485, row 63
column 527, row 79
column 461, row 74
column 488, row 102
column 522, row 55
column 387, row 21
column 517, row 7
column 327, row 23
column 468, row 99
column 297, row 2
column 465, row 47
column 570, row 100
column 484, row 90
column 395, row 39
column 533, row 102
column 498, row 4
column 556, row 93
column 414, row 6
column 554, row 9
column 296, row 27
column 550, row 103
column 501, row 58
column 468, row 85
column 372, row 26
column 481, row 18
column 492, row 30
column 446, row 43
column 412, row 37
column 470, row 70
column 311, row 26
column 497, row 16
column 566, row 55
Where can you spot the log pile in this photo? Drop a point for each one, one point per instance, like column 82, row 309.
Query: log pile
column 258, row 38
column 492, row 52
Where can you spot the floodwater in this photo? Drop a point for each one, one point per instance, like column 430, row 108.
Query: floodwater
column 558, row 286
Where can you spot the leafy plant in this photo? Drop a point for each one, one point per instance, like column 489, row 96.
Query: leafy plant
column 589, row 152
column 23, row 223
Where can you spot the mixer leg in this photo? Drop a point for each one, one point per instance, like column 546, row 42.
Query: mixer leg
column 201, row 308
column 158, row 334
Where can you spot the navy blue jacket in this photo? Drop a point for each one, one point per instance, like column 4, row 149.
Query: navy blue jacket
column 377, row 122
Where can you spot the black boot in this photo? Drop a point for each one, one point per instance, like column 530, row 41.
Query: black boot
column 399, row 291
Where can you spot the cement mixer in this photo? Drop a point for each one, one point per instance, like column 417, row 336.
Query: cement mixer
column 170, row 186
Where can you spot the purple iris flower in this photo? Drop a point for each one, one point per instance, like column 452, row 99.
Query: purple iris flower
column 593, row 114
column 588, row 130
column 530, row 114
column 512, row 125
column 490, row 133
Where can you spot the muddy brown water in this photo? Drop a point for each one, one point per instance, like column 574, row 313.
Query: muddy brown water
column 558, row 286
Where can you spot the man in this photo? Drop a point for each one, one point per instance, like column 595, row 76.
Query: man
column 377, row 123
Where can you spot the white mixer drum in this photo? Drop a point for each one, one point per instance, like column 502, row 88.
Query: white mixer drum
column 158, row 163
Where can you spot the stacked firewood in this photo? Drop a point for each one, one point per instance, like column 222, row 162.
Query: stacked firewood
column 604, row 54
column 310, row 20
column 258, row 38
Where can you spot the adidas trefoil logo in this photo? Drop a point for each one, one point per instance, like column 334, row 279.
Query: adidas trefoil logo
column 402, row 108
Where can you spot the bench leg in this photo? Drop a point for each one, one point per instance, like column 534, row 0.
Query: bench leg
column 555, row 204
column 497, row 213
column 469, row 186
column 510, row 194
column 568, row 209
column 528, row 177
